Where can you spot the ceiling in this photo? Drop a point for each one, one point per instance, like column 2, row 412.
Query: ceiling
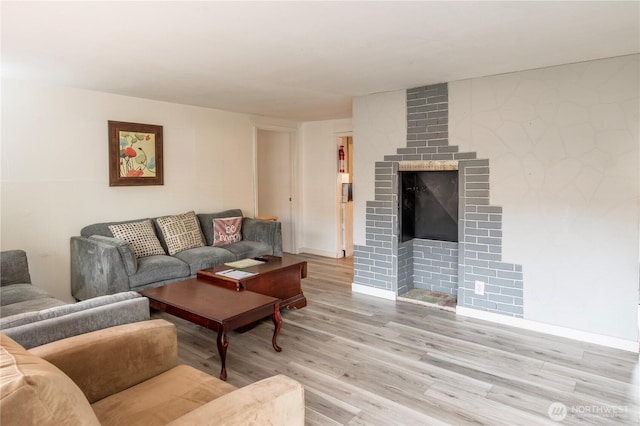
column 299, row 60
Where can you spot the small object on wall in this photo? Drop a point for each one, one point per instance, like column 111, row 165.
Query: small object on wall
column 341, row 159
column 135, row 154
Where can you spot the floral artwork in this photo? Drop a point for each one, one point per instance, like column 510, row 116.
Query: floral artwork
column 137, row 154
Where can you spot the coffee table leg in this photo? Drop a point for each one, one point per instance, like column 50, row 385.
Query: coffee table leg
column 277, row 322
column 223, row 344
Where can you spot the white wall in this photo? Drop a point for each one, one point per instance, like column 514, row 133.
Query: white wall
column 563, row 145
column 379, row 127
column 55, row 175
column 318, row 177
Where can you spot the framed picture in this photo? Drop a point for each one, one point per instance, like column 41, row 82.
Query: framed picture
column 135, row 154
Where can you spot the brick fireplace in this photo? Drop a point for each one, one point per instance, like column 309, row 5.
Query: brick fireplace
column 386, row 263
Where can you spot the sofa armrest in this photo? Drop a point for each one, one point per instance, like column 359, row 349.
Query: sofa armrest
column 277, row 400
column 97, row 269
column 107, row 361
column 41, row 327
column 124, row 248
column 263, row 231
column 14, row 267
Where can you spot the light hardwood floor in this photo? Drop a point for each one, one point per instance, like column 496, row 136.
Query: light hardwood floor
column 369, row 361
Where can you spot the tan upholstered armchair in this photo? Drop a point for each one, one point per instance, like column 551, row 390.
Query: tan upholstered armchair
column 129, row 375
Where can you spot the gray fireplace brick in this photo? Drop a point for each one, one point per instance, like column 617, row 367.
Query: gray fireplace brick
column 488, row 240
column 420, row 144
column 508, row 274
column 503, row 282
column 509, row 291
column 490, row 225
column 413, row 157
column 417, row 116
column 445, row 156
column 477, row 185
column 489, row 256
column 477, row 216
column 416, row 102
column 464, row 155
column 495, row 249
column 500, row 298
column 484, row 303
column 477, row 232
column 510, row 308
column 477, row 178
column 490, row 209
column 502, row 266
column 476, row 262
column 471, row 193
column 447, row 149
column 438, row 99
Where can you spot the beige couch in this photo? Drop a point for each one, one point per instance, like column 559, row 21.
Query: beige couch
column 129, row 375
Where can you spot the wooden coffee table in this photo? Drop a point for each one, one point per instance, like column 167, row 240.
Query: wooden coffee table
column 216, row 308
column 278, row 277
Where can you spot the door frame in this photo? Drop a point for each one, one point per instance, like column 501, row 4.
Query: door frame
column 292, row 130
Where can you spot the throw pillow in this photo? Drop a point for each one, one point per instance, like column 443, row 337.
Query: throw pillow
column 227, row 230
column 140, row 235
column 180, row 232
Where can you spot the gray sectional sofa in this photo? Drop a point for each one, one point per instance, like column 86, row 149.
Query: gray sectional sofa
column 32, row 317
column 102, row 264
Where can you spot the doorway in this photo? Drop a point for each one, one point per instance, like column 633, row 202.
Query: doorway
column 345, row 205
column 274, row 193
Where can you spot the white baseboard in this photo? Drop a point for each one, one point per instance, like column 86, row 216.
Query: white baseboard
column 372, row 291
column 555, row 330
column 322, row 253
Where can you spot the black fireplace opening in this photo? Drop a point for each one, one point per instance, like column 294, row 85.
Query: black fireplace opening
column 429, row 205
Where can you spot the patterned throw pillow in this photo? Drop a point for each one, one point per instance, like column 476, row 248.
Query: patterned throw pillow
column 140, row 235
column 227, row 230
column 180, row 232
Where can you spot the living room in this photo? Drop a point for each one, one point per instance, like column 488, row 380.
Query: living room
column 560, row 135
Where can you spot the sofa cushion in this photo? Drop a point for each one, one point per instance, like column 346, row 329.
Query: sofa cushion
column 162, row 398
column 205, row 257
column 153, row 269
column 140, row 235
column 34, row 392
column 32, row 305
column 249, row 249
column 206, row 222
column 17, row 293
column 180, row 232
column 227, row 230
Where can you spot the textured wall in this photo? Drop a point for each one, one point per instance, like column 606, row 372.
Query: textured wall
column 563, row 146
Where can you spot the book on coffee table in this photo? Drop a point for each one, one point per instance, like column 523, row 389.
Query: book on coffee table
column 244, row 263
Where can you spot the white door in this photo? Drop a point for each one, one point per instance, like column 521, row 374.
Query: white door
column 274, row 155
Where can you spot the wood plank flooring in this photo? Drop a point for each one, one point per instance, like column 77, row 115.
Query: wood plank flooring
column 369, row 361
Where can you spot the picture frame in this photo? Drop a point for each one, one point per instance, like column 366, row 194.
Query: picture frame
column 135, row 154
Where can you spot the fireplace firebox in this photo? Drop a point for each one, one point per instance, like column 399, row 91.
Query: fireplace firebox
column 429, row 205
